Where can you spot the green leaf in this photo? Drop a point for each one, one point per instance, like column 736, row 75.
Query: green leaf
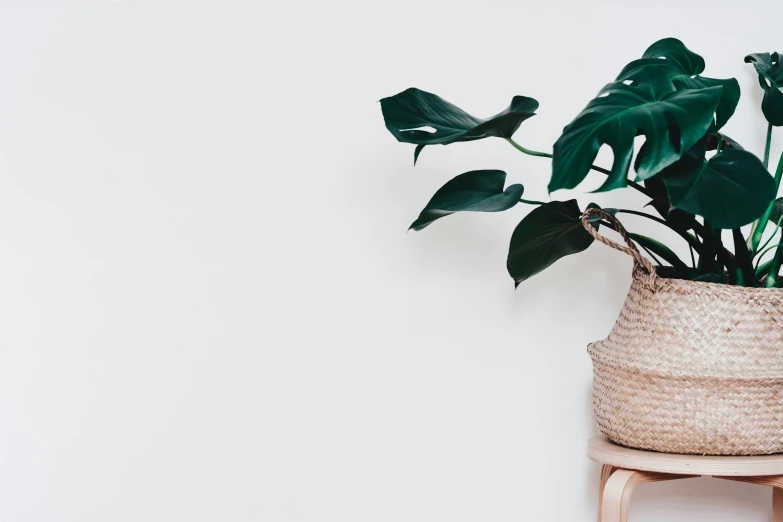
column 681, row 66
column 669, row 54
column 770, row 72
column 730, row 190
column 671, row 121
column 416, row 152
column 678, row 219
column 777, row 211
column 550, row 232
column 423, row 118
column 726, row 142
column 474, row 191
column 661, row 250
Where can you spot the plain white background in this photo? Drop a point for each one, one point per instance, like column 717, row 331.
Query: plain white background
column 210, row 308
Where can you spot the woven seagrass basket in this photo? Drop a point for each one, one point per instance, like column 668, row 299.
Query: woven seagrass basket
column 690, row 367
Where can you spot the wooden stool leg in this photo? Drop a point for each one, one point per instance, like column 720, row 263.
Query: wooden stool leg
column 777, row 504
column 606, row 472
column 617, row 495
column 776, row 481
column 618, row 487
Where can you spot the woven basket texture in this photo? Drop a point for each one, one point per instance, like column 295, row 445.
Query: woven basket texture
column 694, row 368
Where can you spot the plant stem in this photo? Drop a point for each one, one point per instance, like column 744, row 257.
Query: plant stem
column 657, row 261
column 769, row 239
column 764, row 251
column 774, row 267
column 761, row 223
column 744, row 269
column 687, row 237
column 529, row 152
column 531, row 201
column 767, row 146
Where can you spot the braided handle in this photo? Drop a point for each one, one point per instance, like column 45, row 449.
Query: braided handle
column 631, row 249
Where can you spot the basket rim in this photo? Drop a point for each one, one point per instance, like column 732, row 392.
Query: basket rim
column 664, row 279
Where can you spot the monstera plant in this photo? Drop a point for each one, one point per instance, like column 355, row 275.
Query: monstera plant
column 698, row 180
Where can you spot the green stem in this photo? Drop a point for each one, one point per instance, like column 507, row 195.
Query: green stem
column 767, row 146
column 692, row 241
column 774, row 267
column 774, row 232
column 539, row 154
column 528, row 151
column 531, row 201
column 764, row 251
column 657, row 261
column 761, row 223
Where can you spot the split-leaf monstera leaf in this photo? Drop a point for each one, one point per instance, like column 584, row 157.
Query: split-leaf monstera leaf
column 423, row 118
column 475, row 191
column 682, row 67
column 770, row 72
column 659, row 96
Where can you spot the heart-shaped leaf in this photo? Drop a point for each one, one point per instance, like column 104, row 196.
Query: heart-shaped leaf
column 730, row 190
column 670, row 59
column 770, row 72
column 550, row 232
column 475, row 191
column 672, row 123
column 423, row 118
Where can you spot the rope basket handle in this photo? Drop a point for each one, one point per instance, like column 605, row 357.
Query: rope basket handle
column 631, row 250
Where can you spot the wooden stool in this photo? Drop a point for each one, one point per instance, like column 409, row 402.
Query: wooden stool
column 625, row 468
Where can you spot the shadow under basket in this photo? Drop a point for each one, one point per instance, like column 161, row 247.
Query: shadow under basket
column 690, row 367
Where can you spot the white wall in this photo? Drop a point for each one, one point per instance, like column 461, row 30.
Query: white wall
column 210, row 306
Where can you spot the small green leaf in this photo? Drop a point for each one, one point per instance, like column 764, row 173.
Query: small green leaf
column 423, row 118
column 474, row 191
column 659, row 249
column 730, row 190
column 550, row 232
column 770, row 71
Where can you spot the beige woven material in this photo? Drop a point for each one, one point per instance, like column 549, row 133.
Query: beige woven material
column 691, row 367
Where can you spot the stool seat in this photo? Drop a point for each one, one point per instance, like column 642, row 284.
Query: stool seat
column 625, row 468
column 604, row 451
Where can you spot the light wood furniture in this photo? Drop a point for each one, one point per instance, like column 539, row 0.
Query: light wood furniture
column 625, row 468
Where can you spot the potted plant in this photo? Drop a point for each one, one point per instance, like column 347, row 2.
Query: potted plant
column 694, row 363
